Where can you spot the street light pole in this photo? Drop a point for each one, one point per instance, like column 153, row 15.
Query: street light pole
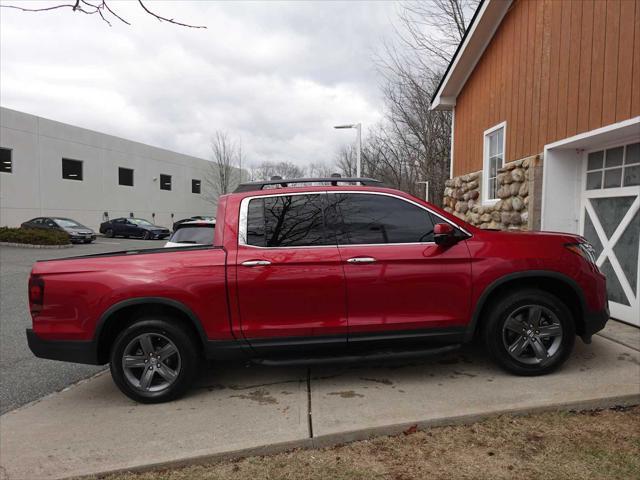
column 357, row 126
column 426, row 190
column 359, row 164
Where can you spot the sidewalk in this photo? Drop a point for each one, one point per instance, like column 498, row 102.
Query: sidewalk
column 92, row 428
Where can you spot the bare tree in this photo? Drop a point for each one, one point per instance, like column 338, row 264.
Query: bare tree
column 266, row 170
column 413, row 143
column 319, row 169
column 346, row 160
column 226, row 160
column 101, row 8
column 434, row 29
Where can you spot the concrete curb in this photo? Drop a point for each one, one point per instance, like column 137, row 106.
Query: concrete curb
column 341, row 438
column 28, row 245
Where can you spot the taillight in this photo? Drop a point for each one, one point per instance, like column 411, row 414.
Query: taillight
column 36, row 294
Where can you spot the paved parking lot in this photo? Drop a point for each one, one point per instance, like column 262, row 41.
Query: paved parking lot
column 23, row 377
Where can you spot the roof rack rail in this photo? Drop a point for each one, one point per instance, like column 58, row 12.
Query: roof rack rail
column 285, row 182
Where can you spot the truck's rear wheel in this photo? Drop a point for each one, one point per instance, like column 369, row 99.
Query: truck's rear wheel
column 529, row 332
column 154, row 360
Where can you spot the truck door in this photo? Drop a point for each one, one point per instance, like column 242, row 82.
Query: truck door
column 398, row 280
column 290, row 280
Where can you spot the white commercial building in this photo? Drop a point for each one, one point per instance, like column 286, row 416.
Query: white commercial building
column 48, row 168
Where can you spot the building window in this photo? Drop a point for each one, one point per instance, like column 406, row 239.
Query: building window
column 494, row 143
column 165, row 182
column 195, row 186
column 71, row 169
column 614, row 167
column 125, row 176
column 6, row 165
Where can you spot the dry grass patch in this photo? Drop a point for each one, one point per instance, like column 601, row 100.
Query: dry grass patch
column 560, row 445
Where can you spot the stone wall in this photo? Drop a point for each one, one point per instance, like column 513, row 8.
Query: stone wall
column 517, row 182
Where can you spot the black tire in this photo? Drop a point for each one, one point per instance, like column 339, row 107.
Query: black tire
column 146, row 235
column 517, row 344
column 183, row 365
column 109, row 233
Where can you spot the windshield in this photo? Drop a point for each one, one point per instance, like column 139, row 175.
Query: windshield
column 68, row 223
column 140, row 221
column 199, row 234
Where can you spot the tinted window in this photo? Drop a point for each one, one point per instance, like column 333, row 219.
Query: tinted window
column 71, row 169
column 195, row 186
column 373, row 219
column 125, row 176
column 286, row 221
column 194, row 234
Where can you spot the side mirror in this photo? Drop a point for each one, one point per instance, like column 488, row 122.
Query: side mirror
column 444, row 234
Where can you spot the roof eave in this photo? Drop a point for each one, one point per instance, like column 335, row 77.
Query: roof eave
column 483, row 26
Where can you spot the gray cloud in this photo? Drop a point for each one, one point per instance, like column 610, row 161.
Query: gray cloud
column 276, row 75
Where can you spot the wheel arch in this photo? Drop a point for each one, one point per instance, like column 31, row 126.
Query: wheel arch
column 122, row 314
column 558, row 284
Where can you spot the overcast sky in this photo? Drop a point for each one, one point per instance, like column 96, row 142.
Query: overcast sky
column 276, row 75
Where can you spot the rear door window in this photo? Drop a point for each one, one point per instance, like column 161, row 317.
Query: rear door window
column 286, row 221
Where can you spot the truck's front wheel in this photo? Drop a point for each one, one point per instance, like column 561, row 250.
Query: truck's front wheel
column 529, row 332
column 154, row 360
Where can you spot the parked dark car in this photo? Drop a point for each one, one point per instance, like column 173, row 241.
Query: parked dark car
column 133, row 227
column 77, row 232
column 190, row 219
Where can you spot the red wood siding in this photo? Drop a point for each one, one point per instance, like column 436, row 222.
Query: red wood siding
column 554, row 68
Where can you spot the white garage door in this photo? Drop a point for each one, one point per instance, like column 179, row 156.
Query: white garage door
column 611, row 223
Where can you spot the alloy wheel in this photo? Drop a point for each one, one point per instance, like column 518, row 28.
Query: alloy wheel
column 532, row 334
column 151, row 362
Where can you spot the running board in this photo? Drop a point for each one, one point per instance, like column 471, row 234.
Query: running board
column 366, row 357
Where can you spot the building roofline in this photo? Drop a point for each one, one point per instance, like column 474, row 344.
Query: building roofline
column 482, row 27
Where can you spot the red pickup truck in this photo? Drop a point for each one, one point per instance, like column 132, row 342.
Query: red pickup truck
column 312, row 271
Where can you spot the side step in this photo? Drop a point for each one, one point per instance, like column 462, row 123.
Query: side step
column 374, row 356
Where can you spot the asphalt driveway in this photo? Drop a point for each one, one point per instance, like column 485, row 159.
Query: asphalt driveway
column 23, row 377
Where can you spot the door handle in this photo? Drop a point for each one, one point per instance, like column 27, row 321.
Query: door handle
column 362, row 260
column 255, row 263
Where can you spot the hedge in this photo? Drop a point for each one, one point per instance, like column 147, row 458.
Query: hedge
column 33, row 236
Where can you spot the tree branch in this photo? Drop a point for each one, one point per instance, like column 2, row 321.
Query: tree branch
column 170, row 20
column 101, row 9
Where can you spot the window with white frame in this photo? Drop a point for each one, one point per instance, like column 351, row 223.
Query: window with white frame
column 494, row 141
column 614, row 167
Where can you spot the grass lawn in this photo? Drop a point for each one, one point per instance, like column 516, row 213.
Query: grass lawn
column 561, row 445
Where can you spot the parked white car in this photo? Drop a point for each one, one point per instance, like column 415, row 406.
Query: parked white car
column 195, row 232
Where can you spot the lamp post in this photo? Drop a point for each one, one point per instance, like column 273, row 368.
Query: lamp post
column 357, row 126
column 426, row 189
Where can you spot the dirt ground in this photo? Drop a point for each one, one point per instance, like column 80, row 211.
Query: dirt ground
column 561, row 445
